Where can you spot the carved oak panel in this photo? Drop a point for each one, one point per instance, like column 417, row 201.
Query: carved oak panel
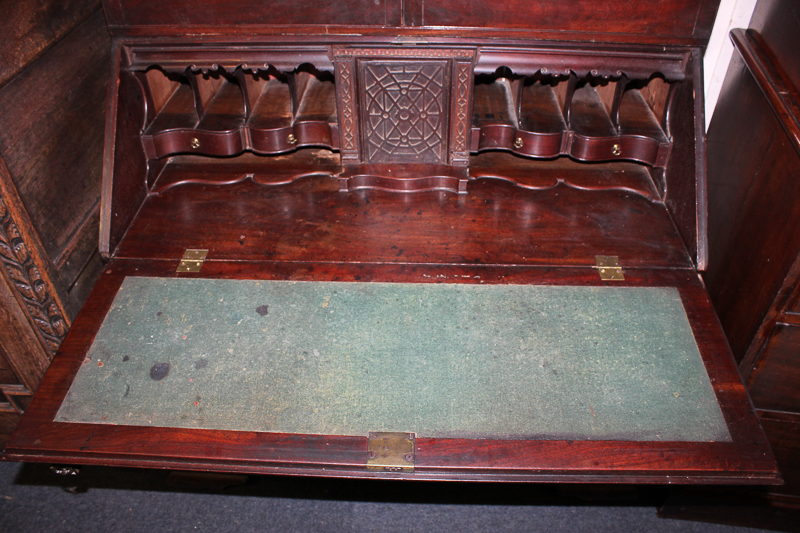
column 405, row 111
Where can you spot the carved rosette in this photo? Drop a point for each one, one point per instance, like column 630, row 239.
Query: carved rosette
column 24, row 274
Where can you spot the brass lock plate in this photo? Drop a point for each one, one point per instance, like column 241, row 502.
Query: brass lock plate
column 390, row 451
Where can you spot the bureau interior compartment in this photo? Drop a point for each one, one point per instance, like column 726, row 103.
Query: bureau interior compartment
column 274, row 119
column 223, row 112
column 588, row 118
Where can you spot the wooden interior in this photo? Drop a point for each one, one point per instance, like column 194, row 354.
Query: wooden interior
column 291, row 149
column 496, row 223
column 208, row 112
column 215, row 103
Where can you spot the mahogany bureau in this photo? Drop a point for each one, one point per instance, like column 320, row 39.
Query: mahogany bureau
column 404, row 239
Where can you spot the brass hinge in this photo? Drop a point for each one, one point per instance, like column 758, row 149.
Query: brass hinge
column 192, row 260
column 609, row 267
column 391, row 451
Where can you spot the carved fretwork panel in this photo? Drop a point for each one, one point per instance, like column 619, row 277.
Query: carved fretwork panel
column 405, row 111
column 400, row 106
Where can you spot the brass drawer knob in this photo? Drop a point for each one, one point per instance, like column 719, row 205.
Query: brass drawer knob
column 616, row 150
column 518, row 143
column 194, row 143
column 291, row 139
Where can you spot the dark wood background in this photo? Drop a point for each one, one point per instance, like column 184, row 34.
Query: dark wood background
column 686, row 22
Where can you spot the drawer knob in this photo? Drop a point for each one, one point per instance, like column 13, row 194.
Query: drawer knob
column 194, row 143
column 291, row 139
column 518, row 143
column 616, row 150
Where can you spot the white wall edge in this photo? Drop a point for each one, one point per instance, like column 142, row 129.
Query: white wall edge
column 731, row 14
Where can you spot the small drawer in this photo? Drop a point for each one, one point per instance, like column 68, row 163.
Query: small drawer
column 611, row 148
column 193, row 141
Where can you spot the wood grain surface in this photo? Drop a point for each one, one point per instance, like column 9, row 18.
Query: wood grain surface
column 31, row 27
column 686, row 22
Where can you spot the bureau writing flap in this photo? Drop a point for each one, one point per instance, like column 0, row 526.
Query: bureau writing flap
column 657, row 399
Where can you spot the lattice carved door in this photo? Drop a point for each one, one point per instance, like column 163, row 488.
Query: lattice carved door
column 401, row 106
column 404, row 111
